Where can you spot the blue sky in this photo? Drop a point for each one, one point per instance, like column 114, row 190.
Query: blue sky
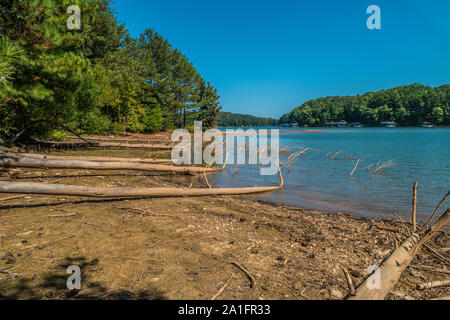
column 267, row 57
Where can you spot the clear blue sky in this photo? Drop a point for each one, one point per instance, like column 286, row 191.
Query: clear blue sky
column 267, row 57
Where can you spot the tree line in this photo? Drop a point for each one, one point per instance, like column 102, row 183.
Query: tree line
column 94, row 80
column 228, row 119
column 407, row 105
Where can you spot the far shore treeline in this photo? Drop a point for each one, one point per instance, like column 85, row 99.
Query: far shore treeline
column 228, row 119
column 93, row 80
column 406, row 105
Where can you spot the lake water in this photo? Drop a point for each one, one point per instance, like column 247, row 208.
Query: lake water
column 318, row 181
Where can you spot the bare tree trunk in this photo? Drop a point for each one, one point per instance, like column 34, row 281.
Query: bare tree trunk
column 393, row 267
column 86, row 158
column 96, row 192
column 16, row 162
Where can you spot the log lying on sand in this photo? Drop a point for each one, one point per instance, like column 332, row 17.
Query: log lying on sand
column 133, row 146
column 86, row 158
column 97, row 192
column 121, row 140
column 392, row 268
column 62, row 145
column 16, row 162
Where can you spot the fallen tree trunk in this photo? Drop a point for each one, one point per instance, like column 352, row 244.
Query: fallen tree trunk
column 50, row 144
column 16, row 162
column 133, row 146
column 87, row 158
column 120, row 140
column 392, row 268
column 97, row 192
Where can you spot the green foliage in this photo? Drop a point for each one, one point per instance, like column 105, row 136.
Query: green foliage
column 93, row 80
column 406, row 105
column 153, row 120
column 227, row 119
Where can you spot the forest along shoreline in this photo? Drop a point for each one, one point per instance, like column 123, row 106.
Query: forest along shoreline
column 226, row 247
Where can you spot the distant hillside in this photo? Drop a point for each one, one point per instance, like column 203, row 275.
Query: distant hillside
column 407, row 105
column 228, row 119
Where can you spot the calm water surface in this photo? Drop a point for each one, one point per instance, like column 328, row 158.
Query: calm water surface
column 317, row 181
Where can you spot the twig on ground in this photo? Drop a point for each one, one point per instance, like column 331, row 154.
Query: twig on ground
column 437, row 209
column 351, row 287
column 431, row 269
column 433, row 284
column 436, row 254
column 12, row 198
column 63, row 215
column 223, row 288
column 248, row 274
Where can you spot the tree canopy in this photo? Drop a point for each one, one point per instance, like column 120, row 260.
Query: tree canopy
column 407, row 105
column 96, row 79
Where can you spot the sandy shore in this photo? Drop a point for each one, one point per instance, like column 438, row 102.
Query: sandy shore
column 183, row 248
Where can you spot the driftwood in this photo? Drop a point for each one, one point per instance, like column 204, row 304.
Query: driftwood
column 433, row 284
column 351, row 287
column 133, row 146
column 15, row 162
column 223, row 288
column 12, row 198
column 356, row 166
column 248, row 274
column 98, row 192
column 414, row 207
column 87, row 158
column 52, row 144
column 392, row 268
column 431, row 269
column 437, row 209
column 131, row 139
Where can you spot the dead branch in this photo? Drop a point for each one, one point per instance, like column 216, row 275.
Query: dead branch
column 223, row 288
column 433, row 284
column 248, row 274
column 437, row 254
column 351, row 287
column 12, row 198
column 414, row 207
column 431, row 269
column 354, row 169
column 16, row 162
column 63, row 215
column 206, row 179
column 86, row 158
column 437, row 209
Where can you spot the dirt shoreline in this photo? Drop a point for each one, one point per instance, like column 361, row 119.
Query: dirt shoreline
column 183, row 248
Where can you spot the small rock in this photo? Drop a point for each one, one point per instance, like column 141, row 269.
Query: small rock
column 94, row 262
column 336, row 294
column 355, row 273
column 9, row 258
column 280, row 258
